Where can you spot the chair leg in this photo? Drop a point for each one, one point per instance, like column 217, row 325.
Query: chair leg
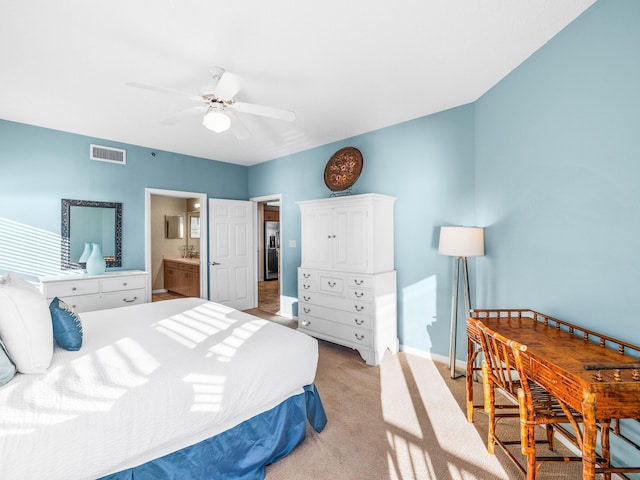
column 527, row 436
column 604, row 444
column 550, row 435
column 489, row 407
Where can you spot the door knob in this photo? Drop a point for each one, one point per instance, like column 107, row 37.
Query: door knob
column 213, row 264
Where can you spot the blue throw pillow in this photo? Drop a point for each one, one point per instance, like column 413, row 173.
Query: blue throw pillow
column 67, row 328
column 7, row 368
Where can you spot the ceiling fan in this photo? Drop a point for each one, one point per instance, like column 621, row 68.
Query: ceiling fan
column 218, row 103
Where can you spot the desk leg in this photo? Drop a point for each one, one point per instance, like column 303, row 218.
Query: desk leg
column 589, row 436
column 471, row 356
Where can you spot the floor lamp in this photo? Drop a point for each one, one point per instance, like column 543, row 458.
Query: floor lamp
column 459, row 242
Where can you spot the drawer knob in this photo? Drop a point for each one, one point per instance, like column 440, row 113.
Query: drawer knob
column 358, row 308
column 358, row 282
column 359, row 294
column 358, row 321
column 73, row 289
column 359, row 336
column 331, row 284
column 306, row 310
column 306, row 287
column 306, row 275
column 306, row 298
column 129, row 301
column 124, row 284
column 306, row 323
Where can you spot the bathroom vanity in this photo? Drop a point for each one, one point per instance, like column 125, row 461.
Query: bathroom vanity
column 182, row 276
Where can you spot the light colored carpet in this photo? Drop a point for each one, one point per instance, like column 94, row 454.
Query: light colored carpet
column 402, row 420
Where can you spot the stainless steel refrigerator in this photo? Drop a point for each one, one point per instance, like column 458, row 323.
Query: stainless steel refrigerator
column 271, row 249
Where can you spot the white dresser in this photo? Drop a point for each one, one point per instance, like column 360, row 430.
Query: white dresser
column 347, row 282
column 97, row 292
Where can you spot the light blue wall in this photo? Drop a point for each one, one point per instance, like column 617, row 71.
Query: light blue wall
column 547, row 161
column 428, row 165
column 39, row 167
column 557, row 172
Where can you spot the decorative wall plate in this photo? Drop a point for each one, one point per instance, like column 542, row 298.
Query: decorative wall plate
column 343, row 169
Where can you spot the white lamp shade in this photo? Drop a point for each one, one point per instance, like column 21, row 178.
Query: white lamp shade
column 216, row 121
column 461, row 241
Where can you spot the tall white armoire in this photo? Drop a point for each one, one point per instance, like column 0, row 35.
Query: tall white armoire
column 347, row 282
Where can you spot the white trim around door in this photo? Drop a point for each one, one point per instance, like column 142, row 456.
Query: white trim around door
column 204, row 270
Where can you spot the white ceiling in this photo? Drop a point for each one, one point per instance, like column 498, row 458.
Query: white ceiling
column 345, row 67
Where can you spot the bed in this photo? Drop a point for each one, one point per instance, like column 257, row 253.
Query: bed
column 176, row 389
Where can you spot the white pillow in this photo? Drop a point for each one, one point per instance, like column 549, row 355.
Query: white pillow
column 25, row 325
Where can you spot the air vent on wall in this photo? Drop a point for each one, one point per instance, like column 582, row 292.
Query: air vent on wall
column 108, row 154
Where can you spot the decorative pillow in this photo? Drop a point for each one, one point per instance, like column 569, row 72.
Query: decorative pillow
column 25, row 325
column 67, row 328
column 7, row 368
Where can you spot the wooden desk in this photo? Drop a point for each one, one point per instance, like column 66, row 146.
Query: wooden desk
column 558, row 353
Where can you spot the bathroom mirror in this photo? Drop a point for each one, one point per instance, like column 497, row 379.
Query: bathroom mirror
column 173, row 226
column 85, row 221
column 194, row 224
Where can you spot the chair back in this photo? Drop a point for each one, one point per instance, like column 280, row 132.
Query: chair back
column 504, row 361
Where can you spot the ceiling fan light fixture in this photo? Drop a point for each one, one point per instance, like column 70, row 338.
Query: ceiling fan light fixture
column 216, row 121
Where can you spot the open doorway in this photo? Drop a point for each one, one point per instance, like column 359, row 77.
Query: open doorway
column 175, row 243
column 268, row 229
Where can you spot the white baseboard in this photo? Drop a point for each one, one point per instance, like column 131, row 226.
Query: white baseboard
column 460, row 364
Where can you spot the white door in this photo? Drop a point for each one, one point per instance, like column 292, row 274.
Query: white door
column 232, row 278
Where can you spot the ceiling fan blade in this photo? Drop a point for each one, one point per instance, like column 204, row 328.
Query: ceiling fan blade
column 183, row 114
column 155, row 88
column 228, row 85
column 271, row 112
column 238, row 128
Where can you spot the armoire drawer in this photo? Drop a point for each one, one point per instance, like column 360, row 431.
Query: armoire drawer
column 331, row 284
column 307, row 274
column 347, row 318
column 335, row 302
column 360, row 281
column 345, row 334
column 363, row 294
column 307, row 285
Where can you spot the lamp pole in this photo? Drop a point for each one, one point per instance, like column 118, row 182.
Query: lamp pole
column 460, row 263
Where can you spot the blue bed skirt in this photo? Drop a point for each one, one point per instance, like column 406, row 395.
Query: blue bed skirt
column 242, row 452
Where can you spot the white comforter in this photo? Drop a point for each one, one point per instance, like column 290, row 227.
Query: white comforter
column 149, row 379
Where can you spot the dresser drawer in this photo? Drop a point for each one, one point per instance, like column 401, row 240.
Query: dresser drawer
column 83, row 303
column 346, row 335
column 331, row 284
column 352, row 319
column 72, row 288
column 123, row 298
column 126, row 283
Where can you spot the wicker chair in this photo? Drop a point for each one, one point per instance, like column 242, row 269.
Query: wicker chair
column 502, row 368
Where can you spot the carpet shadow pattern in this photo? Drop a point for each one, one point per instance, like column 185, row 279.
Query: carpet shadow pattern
column 402, row 420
